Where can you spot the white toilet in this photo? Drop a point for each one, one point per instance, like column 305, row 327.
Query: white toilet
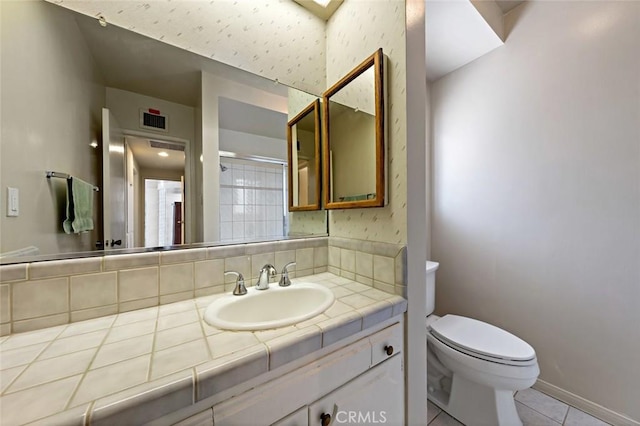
column 474, row 368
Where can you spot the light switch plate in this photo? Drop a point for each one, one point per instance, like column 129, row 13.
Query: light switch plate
column 13, row 202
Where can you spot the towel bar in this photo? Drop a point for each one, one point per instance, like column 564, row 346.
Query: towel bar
column 64, row 176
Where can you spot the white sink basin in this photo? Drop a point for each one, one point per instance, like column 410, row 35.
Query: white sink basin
column 272, row 308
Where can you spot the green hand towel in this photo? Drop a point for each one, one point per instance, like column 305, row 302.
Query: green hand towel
column 79, row 206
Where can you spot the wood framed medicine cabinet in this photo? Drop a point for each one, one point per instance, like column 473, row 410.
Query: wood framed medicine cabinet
column 354, row 138
column 303, row 152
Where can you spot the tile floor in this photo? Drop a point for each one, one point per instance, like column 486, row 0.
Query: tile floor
column 535, row 409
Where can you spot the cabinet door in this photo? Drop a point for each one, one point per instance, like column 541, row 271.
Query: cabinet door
column 299, row 418
column 375, row 397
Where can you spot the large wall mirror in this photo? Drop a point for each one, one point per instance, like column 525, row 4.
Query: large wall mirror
column 354, row 138
column 303, row 140
column 152, row 126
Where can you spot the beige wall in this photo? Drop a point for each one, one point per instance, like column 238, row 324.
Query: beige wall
column 126, row 107
column 354, row 32
column 275, row 39
column 39, row 63
column 536, row 193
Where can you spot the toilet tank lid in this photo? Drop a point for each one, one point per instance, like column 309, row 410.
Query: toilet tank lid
column 482, row 338
column 432, row 266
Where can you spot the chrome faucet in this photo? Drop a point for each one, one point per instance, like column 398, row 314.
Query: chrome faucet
column 284, row 279
column 266, row 272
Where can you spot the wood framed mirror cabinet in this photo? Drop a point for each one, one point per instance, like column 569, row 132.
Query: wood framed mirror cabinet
column 354, row 138
column 303, row 150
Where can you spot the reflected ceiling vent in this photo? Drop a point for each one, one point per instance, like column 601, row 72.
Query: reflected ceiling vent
column 152, row 119
column 173, row 146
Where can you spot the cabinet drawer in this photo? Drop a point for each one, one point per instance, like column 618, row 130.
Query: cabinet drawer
column 386, row 343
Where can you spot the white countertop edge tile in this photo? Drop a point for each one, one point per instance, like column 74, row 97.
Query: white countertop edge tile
column 220, row 373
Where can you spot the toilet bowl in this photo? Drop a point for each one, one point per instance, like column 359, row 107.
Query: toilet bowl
column 474, row 368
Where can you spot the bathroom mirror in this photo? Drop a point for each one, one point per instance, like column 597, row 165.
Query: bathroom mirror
column 354, row 151
column 303, row 141
column 205, row 138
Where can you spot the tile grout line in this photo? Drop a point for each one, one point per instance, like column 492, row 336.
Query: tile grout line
column 29, row 364
column 155, row 337
column 566, row 414
column 88, row 369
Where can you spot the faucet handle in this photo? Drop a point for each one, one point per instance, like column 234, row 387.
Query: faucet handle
column 284, row 279
column 240, row 288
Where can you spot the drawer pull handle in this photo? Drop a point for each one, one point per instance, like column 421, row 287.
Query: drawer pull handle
column 325, row 419
column 389, row 350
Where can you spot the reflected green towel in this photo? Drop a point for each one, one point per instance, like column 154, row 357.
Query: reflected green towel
column 79, row 206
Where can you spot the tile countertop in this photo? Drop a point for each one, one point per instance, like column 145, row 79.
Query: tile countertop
column 104, row 367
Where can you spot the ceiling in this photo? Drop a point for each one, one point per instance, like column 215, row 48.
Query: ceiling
column 322, row 12
column 133, row 62
column 461, row 31
column 148, row 158
column 264, row 122
column 507, row 5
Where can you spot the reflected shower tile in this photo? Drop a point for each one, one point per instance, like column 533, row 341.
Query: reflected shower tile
column 249, row 229
column 249, row 212
column 226, row 213
column 261, row 178
column 226, row 177
column 238, row 230
column 238, row 177
column 261, row 197
column 238, row 196
column 226, row 196
column 226, row 231
column 261, row 228
column 238, row 213
column 249, row 196
column 249, row 176
column 271, row 180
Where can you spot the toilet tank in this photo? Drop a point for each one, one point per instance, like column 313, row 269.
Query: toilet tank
column 431, row 286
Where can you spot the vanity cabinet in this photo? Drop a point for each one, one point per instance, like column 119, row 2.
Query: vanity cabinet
column 376, row 396
column 362, row 380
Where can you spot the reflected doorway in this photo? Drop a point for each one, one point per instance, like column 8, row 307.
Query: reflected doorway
column 163, row 201
column 157, row 206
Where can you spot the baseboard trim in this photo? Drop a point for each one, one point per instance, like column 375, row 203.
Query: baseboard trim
column 604, row 414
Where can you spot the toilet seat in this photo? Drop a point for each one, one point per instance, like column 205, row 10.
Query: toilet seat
column 481, row 340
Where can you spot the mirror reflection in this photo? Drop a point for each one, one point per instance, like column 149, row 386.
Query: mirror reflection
column 354, row 141
column 303, row 136
column 152, row 126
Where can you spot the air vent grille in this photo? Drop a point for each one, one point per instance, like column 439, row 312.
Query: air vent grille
column 157, row 121
column 154, row 120
column 167, row 145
